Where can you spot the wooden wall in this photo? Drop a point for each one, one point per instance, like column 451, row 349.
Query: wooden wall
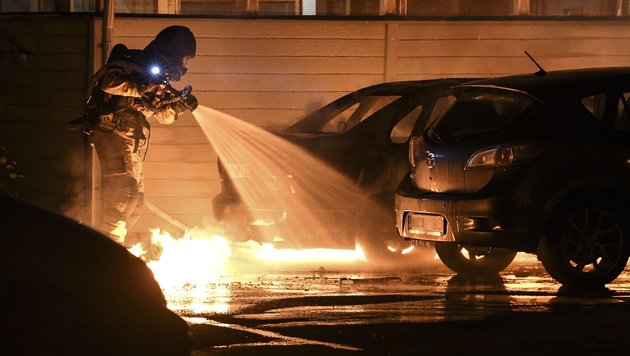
column 272, row 72
column 267, row 72
column 489, row 48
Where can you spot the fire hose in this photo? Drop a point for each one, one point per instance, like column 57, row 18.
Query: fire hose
column 164, row 215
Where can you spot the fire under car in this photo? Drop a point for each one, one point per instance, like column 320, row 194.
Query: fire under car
column 538, row 163
column 363, row 136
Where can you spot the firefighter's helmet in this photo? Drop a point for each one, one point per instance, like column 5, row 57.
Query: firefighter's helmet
column 174, row 41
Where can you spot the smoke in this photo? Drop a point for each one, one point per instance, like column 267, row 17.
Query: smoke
column 79, row 204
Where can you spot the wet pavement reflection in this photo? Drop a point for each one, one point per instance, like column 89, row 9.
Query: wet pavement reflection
column 269, row 312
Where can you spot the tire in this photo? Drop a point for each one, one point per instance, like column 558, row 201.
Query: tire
column 585, row 245
column 389, row 248
column 474, row 261
column 379, row 240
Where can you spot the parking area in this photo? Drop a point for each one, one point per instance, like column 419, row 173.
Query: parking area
column 356, row 309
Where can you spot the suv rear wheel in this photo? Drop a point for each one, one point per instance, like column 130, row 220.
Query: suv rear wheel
column 389, row 248
column 474, row 260
column 585, row 245
column 376, row 234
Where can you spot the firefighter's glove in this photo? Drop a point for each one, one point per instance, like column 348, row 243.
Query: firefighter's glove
column 145, row 88
column 188, row 102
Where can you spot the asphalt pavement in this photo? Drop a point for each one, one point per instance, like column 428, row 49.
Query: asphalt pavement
column 428, row 310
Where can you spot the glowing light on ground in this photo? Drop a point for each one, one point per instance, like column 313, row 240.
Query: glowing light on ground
column 188, row 260
column 408, row 250
column 196, row 271
column 196, row 261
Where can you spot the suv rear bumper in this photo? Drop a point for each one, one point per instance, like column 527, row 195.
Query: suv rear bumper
column 468, row 219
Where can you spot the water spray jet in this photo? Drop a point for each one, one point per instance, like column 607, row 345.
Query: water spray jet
column 299, row 197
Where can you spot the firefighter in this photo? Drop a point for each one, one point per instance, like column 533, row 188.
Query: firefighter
column 133, row 87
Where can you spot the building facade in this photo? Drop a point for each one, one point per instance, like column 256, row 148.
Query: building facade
column 269, row 71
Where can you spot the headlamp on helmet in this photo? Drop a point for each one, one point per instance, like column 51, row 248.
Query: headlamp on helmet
column 157, row 73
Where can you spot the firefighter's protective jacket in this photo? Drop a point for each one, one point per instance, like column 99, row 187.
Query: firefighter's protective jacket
column 128, row 91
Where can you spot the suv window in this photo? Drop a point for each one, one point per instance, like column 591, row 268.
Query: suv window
column 479, row 110
column 596, row 104
column 402, row 130
column 618, row 117
column 359, row 111
column 441, row 105
column 622, row 119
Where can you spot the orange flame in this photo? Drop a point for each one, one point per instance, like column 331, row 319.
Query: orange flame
column 188, row 260
column 195, row 260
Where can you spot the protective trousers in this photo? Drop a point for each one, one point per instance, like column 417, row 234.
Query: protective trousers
column 122, row 182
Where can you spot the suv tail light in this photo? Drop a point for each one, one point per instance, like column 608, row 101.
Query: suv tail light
column 413, row 147
column 504, row 155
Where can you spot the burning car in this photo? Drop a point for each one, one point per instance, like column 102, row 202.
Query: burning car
column 66, row 289
column 362, row 136
column 535, row 163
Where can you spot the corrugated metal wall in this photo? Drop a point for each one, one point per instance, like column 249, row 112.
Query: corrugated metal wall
column 270, row 73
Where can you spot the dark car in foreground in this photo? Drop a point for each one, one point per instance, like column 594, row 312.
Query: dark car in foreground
column 364, row 136
column 65, row 289
column 535, row 163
